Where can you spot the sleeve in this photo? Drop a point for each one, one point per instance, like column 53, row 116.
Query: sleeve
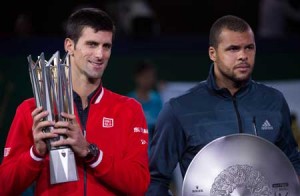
column 287, row 142
column 130, row 174
column 18, row 170
column 165, row 149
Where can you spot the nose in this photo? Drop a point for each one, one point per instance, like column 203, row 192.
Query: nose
column 99, row 52
column 243, row 55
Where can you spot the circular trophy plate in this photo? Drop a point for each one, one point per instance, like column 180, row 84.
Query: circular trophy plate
column 240, row 165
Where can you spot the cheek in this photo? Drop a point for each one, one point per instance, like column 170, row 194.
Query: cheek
column 225, row 60
column 252, row 58
column 107, row 54
column 229, row 62
column 81, row 54
column 229, row 58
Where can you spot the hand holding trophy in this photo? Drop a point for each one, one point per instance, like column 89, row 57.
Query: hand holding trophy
column 52, row 88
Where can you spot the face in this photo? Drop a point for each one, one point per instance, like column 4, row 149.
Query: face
column 233, row 58
column 90, row 55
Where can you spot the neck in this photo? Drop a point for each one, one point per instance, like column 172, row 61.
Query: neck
column 232, row 86
column 84, row 88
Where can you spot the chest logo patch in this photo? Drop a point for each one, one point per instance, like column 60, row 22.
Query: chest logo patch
column 267, row 126
column 107, row 122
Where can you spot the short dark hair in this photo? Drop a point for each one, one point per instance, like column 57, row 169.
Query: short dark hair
column 230, row 22
column 88, row 17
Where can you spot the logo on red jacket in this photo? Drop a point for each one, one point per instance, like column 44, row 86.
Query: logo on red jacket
column 107, row 122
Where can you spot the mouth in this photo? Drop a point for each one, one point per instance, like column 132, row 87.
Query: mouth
column 96, row 65
column 243, row 67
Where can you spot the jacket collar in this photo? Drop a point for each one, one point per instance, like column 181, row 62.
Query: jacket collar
column 212, row 85
column 94, row 97
column 98, row 94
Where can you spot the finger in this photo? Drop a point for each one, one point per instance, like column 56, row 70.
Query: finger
column 41, row 137
column 36, row 111
column 63, row 124
column 39, row 116
column 61, row 131
column 61, row 142
column 47, row 135
column 42, row 125
column 71, row 117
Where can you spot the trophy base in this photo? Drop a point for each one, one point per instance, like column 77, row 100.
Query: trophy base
column 62, row 166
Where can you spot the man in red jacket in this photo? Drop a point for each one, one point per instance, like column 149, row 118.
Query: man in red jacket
column 108, row 132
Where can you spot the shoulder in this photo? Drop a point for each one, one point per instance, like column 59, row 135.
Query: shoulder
column 268, row 91
column 191, row 94
column 189, row 100
column 121, row 100
column 268, row 94
column 27, row 104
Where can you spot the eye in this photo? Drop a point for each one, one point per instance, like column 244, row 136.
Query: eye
column 233, row 48
column 250, row 47
column 107, row 46
column 93, row 44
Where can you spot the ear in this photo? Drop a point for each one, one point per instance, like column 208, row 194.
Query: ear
column 69, row 46
column 212, row 53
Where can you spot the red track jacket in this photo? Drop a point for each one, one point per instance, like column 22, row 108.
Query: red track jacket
column 115, row 123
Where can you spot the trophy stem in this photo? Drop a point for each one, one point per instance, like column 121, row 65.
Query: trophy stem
column 62, row 166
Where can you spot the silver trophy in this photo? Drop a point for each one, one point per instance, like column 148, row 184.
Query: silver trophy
column 240, row 165
column 52, row 88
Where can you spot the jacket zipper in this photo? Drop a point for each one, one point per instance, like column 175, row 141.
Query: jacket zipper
column 84, row 173
column 85, row 178
column 237, row 114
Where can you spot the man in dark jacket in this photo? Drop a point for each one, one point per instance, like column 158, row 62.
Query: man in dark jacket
column 228, row 102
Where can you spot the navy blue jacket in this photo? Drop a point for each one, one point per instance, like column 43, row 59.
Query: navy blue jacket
column 190, row 121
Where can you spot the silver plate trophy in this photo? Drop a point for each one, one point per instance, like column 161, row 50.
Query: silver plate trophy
column 52, row 88
column 240, row 165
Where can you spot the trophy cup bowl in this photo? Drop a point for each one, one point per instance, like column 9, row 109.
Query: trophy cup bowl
column 52, row 88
